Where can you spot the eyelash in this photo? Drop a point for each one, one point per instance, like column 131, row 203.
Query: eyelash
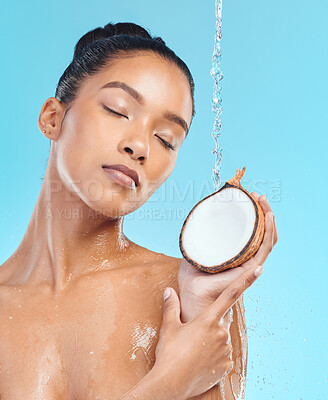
column 166, row 144
column 114, row 112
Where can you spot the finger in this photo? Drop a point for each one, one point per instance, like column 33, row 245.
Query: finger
column 222, row 279
column 228, row 318
column 275, row 239
column 232, row 293
column 172, row 309
column 267, row 243
column 255, row 196
column 266, row 208
column 264, row 203
column 225, row 323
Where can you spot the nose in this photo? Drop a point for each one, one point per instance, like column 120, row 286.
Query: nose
column 137, row 147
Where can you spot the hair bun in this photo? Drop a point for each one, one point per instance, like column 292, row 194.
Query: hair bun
column 126, row 28
column 110, row 30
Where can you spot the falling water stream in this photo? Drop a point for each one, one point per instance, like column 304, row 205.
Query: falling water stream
column 217, row 75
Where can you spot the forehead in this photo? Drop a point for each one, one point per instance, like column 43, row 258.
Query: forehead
column 160, row 82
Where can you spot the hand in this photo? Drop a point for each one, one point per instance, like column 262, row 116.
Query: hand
column 198, row 289
column 193, row 357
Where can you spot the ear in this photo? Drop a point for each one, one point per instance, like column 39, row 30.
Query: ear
column 51, row 117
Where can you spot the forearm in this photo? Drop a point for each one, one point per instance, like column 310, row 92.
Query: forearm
column 154, row 386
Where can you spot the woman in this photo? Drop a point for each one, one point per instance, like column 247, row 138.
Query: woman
column 82, row 310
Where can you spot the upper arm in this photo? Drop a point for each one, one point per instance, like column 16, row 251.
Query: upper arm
column 233, row 385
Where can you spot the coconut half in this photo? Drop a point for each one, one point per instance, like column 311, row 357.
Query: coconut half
column 224, row 229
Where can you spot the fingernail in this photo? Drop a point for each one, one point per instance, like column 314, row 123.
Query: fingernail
column 258, row 271
column 167, row 293
column 263, row 197
column 270, row 213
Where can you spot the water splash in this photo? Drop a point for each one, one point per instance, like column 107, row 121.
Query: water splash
column 142, row 338
column 222, row 390
column 217, row 75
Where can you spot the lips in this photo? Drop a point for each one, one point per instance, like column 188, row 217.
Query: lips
column 126, row 170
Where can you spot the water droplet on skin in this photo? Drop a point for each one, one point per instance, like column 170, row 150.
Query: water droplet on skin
column 91, row 352
column 142, row 338
column 204, row 343
column 222, row 391
column 10, row 317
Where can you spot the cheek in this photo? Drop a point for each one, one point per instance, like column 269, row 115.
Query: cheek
column 160, row 169
column 76, row 149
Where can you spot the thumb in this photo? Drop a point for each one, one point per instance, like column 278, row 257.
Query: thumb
column 171, row 312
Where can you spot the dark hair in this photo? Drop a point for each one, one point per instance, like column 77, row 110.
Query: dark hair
column 98, row 47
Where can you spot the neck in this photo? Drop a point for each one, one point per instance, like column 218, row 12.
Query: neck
column 66, row 239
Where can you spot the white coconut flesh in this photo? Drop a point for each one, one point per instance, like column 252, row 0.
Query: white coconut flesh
column 219, row 227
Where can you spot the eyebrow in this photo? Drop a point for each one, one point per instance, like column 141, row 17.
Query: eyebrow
column 137, row 96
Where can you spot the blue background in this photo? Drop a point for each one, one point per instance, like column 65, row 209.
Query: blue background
column 274, row 122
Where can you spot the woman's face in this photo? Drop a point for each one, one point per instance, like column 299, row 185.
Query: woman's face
column 153, row 108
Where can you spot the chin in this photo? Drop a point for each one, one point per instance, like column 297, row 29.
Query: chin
column 112, row 200
column 111, row 209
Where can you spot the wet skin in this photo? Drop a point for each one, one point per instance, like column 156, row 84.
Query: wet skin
column 96, row 339
column 81, row 304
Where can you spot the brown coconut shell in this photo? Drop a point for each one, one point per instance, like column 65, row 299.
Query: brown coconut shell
column 251, row 246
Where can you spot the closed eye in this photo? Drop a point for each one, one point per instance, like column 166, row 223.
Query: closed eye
column 114, row 112
column 166, row 144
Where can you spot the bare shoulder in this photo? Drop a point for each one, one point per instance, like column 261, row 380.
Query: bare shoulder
column 154, row 257
column 170, row 268
column 174, row 262
column 7, row 270
column 162, row 267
